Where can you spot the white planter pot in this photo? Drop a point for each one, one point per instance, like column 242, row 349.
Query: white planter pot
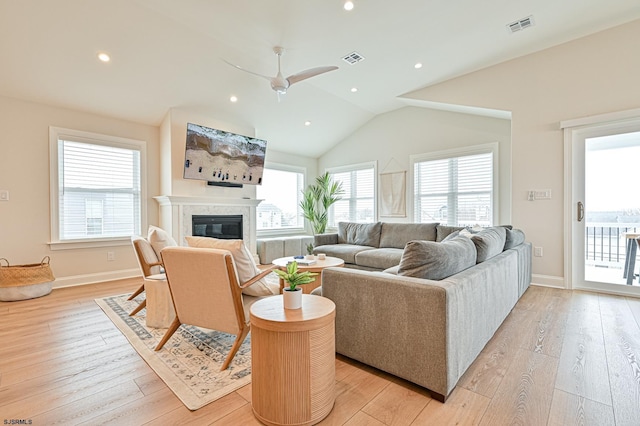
column 292, row 299
column 309, row 256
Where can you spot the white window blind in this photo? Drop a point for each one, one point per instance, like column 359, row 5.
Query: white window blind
column 358, row 200
column 281, row 191
column 456, row 191
column 96, row 186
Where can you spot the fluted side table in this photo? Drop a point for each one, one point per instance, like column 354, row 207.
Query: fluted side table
column 292, row 360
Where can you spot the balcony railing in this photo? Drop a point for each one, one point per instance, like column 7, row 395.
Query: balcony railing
column 605, row 243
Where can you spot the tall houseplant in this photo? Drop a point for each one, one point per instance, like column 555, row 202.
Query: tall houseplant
column 317, row 199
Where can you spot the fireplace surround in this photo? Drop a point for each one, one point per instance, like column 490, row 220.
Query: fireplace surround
column 176, row 215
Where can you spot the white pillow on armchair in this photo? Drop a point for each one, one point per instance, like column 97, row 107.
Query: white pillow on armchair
column 245, row 265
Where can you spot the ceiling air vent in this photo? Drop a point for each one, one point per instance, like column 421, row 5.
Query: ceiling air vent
column 353, row 58
column 521, row 24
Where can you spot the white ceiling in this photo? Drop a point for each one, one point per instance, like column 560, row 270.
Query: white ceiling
column 168, row 54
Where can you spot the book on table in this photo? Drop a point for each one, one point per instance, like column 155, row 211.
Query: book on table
column 303, row 262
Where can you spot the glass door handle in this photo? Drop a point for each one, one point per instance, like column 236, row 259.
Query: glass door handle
column 580, row 211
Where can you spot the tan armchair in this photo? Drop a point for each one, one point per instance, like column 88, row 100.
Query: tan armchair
column 206, row 293
column 160, row 310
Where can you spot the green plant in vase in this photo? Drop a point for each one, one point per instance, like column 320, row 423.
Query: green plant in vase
column 317, row 199
column 294, row 278
column 309, row 248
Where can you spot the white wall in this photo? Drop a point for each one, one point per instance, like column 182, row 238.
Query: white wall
column 391, row 138
column 589, row 76
column 24, row 171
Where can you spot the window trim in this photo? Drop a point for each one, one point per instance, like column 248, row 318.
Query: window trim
column 55, row 135
column 266, row 233
column 355, row 167
column 492, row 147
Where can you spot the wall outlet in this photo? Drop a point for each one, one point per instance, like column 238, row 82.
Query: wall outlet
column 537, row 251
column 4, row 195
column 111, row 256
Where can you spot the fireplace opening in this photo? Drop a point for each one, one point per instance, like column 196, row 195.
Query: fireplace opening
column 226, row 227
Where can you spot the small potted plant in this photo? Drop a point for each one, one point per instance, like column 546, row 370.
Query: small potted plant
column 292, row 294
column 309, row 255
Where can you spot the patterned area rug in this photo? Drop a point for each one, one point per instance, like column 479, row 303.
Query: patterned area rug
column 189, row 363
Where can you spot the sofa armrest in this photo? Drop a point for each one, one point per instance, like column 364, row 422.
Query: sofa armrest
column 325, row 239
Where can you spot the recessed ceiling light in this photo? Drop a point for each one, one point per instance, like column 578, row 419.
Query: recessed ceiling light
column 418, row 65
column 307, row 123
column 348, row 5
column 354, row 89
column 233, row 99
column 104, row 57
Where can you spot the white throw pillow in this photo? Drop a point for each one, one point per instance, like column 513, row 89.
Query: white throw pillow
column 245, row 265
column 159, row 239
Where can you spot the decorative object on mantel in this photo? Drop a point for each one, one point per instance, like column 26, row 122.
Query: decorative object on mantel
column 392, row 191
column 20, row 282
column 317, row 199
column 293, row 295
column 190, row 364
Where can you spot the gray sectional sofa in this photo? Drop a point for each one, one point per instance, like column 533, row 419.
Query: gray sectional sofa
column 420, row 301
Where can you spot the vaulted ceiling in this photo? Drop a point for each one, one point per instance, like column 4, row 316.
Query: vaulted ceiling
column 169, row 54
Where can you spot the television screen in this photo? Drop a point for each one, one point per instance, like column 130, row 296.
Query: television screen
column 223, row 157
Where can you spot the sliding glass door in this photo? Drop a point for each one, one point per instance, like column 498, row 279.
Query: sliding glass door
column 605, row 207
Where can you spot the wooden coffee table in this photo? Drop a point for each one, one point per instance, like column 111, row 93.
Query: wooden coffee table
column 293, row 360
column 328, row 262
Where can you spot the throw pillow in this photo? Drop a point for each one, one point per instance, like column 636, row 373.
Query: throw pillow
column 489, row 242
column 159, row 239
column 436, row 261
column 362, row 234
column 514, row 238
column 245, row 265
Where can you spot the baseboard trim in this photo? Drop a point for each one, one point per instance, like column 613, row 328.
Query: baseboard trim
column 548, row 281
column 76, row 280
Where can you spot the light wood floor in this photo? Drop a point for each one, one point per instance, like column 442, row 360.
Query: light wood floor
column 560, row 358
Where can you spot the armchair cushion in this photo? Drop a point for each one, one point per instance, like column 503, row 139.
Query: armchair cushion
column 159, row 239
column 245, row 265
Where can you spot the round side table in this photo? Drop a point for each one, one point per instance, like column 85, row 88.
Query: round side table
column 318, row 266
column 293, row 360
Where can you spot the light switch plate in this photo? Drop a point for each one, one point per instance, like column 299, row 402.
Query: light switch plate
column 4, row 195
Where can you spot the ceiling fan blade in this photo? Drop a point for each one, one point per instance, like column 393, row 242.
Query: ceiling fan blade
column 246, row 70
column 303, row 75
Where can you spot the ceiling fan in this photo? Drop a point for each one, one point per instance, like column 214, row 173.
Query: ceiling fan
column 281, row 84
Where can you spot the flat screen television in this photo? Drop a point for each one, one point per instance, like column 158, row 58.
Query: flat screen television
column 223, row 158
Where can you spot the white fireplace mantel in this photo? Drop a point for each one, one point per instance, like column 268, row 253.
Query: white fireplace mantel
column 176, row 212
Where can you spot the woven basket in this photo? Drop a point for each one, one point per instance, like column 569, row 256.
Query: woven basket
column 22, row 275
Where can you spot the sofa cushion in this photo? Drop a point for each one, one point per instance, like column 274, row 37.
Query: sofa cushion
column 442, row 231
column 360, row 234
column 381, row 258
column 397, row 235
column 514, row 237
column 489, row 242
column 346, row 252
column 436, row 261
column 245, row 265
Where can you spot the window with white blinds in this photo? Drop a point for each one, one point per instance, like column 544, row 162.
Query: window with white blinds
column 457, row 190
column 359, row 194
column 281, row 192
column 98, row 186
